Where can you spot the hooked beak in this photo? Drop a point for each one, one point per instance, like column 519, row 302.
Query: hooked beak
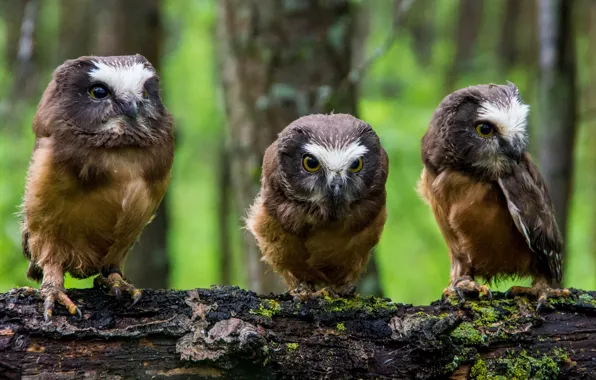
column 131, row 109
column 335, row 188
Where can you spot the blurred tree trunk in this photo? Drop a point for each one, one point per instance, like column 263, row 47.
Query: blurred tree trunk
column 589, row 124
column 77, row 28
column 12, row 12
column 558, row 99
column 224, row 188
column 517, row 42
column 469, row 22
column 508, row 49
column 122, row 28
column 421, row 25
column 278, row 61
column 21, row 18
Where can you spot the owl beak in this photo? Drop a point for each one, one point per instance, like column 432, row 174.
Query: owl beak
column 131, row 109
column 335, row 188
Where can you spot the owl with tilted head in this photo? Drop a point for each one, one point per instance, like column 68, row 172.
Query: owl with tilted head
column 321, row 207
column 488, row 197
column 101, row 163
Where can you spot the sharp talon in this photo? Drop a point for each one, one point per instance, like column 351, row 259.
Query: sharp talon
column 116, row 290
column 79, row 314
column 489, row 294
column 136, row 296
column 460, row 294
column 47, row 315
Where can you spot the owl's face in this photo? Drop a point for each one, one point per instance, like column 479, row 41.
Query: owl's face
column 479, row 129
column 330, row 161
column 107, row 101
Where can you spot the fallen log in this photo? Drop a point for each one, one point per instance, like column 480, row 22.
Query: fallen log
column 230, row 333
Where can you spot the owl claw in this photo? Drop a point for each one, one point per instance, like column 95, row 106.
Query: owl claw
column 543, row 294
column 466, row 285
column 51, row 295
column 116, row 285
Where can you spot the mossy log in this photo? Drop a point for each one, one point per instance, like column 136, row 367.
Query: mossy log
column 230, row 333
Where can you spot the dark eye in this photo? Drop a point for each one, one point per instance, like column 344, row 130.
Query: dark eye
column 145, row 94
column 99, row 91
column 356, row 165
column 485, row 129
column 310, row 163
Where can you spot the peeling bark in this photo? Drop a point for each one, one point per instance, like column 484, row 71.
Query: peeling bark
column 230, row 333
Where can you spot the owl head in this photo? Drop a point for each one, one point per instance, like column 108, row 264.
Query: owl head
column 330, row 162
column 105, row 102
column 479, row 129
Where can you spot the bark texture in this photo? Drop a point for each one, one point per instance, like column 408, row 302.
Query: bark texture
column 229, row 333
column 558, row 102
column 279, row 60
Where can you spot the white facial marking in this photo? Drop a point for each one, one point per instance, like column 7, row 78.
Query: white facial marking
column 125, row 80
column 510, row 118
column 336, row 160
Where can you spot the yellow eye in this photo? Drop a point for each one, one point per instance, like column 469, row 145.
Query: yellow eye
column 310, row 163
column 99, row 91
column 356, row 165
column 145, row 94
column 485, row 129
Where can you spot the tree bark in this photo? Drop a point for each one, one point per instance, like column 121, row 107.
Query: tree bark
column 558, row 101
column 278, row 61
column 230, row 333
column 131, row 27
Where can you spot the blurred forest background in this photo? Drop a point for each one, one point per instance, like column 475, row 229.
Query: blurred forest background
column 236, row 72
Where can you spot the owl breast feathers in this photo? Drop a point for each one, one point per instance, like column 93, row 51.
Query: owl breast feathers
column 321, row 208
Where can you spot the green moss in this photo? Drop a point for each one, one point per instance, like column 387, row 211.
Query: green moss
column 292, row 346
column 267, row 308
column 340, row 327
column 367, row 305
column 485, row 313
column 466, row 333
column 479, row 370
column 587, row 299
column 520, row 365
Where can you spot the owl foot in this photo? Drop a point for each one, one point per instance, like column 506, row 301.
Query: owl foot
column 466, row 285
column 116, row 285
column 541, row 293
column 51, row 294
column 302, row 292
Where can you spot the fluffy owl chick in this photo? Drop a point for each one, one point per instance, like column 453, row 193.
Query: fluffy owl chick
column 488, row 198
column 101, row 163
column 321, row 208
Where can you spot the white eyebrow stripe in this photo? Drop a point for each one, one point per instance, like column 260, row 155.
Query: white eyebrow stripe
column 123, row 79
column 336, row 159
column 511, row 118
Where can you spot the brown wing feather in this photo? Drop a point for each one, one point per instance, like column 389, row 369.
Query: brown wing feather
column 532, row 211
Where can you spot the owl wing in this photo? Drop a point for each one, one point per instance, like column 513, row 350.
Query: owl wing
column 532, row 212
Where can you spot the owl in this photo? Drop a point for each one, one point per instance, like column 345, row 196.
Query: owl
column 101, row 163
column 321, row 207
column 487, row 196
